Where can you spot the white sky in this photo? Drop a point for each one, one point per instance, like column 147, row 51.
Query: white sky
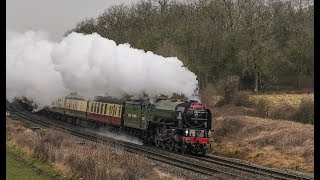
column 53, row 16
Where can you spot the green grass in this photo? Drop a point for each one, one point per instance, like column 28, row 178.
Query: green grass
column 20, row 166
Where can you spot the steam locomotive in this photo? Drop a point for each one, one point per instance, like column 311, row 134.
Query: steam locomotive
column 167, row 123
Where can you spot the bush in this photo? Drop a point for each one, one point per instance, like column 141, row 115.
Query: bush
column 242, row 99
column 262, row 108
column 305, row 113
column 209, row 96
column 285, row 111
column 90, row 161
column 230, row 126
column 227, row 87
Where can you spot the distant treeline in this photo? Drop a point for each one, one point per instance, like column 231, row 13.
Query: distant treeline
column 265, row 44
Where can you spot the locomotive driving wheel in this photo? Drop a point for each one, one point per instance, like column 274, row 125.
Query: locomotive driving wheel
column 176, row 147
column 171, row 145
column 183, row 148
column 157, row 142
column 163, row 145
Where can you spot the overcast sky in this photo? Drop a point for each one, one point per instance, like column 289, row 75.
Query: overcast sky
column 53, row 16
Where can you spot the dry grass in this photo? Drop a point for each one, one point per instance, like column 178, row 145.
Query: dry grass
column 263, row 157
column 242, row 98
column 231, row 110
column 89, row 161
column 276, row 143
column 296, row 107
column 279, row 100
column 240, row 132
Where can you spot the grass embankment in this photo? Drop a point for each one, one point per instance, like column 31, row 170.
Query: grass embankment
column 294, row 107
column 273, row 143
column 21, row 166
column 274, row 130
column 86, row 161
column 279, row 100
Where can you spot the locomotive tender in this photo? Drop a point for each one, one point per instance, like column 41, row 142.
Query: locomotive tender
column 167, row 123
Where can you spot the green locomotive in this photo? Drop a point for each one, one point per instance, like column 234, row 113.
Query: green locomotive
column 183, row 126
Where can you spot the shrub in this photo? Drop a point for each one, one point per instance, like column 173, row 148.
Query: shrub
column 90, row 161
column 305, row 112
column 230, row 126
column 207, row 94
column 227, row 87
column 242, row 99
column 285, row 111
column 262, row 108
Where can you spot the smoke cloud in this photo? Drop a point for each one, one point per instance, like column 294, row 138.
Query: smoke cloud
column 91, row 65
column 29, row 68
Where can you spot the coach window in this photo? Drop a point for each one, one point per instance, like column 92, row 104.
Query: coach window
column 101, row 109
column 94, row 108
column 115, row 111
column 105, row 108
column 91, row 104
column 98, row 108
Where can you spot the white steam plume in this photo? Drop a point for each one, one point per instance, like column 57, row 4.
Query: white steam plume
column 90, row 65
column 29, row 68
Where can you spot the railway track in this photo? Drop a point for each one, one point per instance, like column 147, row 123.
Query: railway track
column 209, row 165
column 264, row 171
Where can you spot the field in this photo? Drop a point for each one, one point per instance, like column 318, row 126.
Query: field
column 20, row 166
column 77, row 161
column 266, row 129
column 279, row 100
column 273, row 143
